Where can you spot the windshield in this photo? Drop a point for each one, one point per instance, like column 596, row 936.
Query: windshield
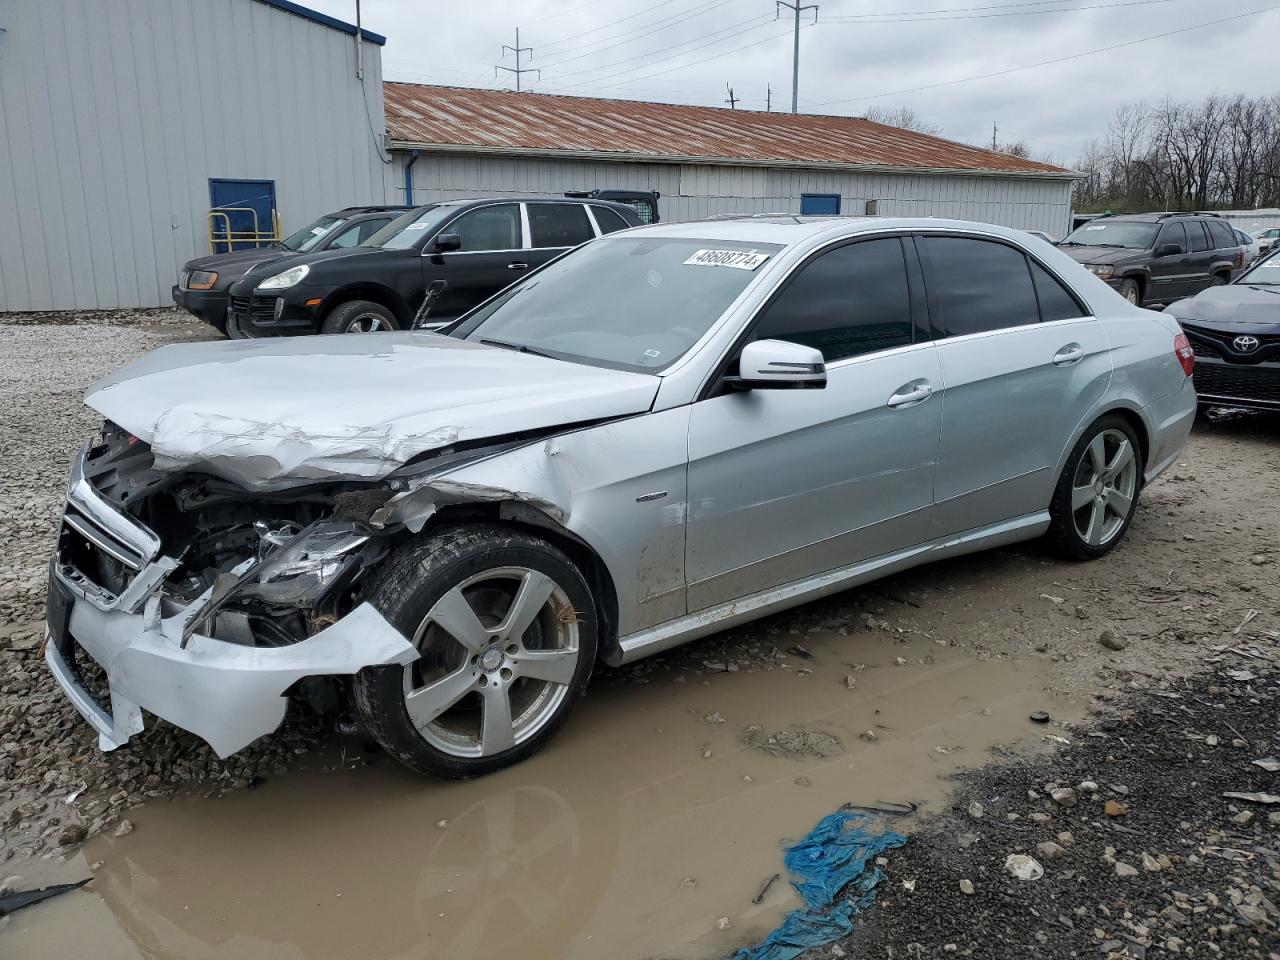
column 1264, row 273
column 635, row 303
column 306, row 238
column 406, row 230
column 1116, row 233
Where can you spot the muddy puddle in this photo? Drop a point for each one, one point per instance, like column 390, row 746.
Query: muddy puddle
column 657, row 811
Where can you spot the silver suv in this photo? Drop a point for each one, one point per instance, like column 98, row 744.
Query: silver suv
column 668, row 431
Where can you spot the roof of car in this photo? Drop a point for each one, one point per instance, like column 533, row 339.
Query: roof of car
column 356, row 211
column 792, row 228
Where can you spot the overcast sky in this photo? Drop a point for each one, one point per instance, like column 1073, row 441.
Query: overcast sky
column 685, row 51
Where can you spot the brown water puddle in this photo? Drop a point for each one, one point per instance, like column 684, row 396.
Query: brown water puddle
column 619, row 840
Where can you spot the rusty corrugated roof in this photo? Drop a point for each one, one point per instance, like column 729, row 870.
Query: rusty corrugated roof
column 501, row 120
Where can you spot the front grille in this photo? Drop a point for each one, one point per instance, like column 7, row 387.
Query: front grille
column 260, row 308
column 1208, row 342
column 1258, row 383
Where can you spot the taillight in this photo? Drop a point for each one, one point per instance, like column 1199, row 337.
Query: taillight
column 1186, row 356
column 1240, row 259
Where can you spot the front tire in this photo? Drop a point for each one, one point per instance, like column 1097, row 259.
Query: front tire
column 1097, row 493
column 1130, row 290
column 507, row 629
column 359, row 316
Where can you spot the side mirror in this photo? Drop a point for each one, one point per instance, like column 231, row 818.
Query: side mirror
column 448, row 241
column 1168, row 250
column 779, row 365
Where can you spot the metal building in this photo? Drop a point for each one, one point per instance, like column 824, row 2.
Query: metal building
column 123, row 124
column 452, row 142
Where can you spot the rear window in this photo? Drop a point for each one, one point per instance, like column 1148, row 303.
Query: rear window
column 1221, row 233
column 609, row 220
column 558, row 224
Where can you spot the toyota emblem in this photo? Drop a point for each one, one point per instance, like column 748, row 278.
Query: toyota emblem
column 1246, row 344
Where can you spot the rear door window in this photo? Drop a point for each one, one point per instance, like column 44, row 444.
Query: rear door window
column 558, row 224
column 1197, row 239
column 609, row 220
column 1056, row 302
column 977, row 286
column 1221, row 234
column 488, row 228
column 846, row 302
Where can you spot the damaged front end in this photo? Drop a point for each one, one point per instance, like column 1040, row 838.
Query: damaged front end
column 185, row 595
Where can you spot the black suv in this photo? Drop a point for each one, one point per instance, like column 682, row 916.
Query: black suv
column 476, row 247
column 1157, row 257
column 203, row 282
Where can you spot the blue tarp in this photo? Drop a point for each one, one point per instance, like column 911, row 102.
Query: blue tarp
column 832, row 857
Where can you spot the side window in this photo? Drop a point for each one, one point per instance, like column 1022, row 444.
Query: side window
column 978, row 285
column 558, row 224
column 489, row 228
column 849, row 301
column 347, row 238
column 1173, row 233
column 1055, row 302
column 1221, row 233
column 1197, row 241
column 369, row 227
column 609, row 220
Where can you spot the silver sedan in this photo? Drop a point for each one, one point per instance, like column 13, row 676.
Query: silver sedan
column 666, row 432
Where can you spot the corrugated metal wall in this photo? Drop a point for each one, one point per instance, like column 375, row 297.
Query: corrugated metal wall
column 114, row 114
column 693, row 191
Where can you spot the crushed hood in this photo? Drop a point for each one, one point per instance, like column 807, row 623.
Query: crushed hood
column 1238, row 304
column 271, row 414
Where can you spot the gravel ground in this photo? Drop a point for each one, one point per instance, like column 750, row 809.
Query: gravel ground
column 1135, row 849
column 1199, row 557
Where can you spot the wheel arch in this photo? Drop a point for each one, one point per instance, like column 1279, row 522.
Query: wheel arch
column 1131, row 412
column 383, row 296
column 530, row 519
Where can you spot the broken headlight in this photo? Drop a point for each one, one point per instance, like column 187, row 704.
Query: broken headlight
column 297, row 572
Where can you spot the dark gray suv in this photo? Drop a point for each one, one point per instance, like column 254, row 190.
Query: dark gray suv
column 1155, row 258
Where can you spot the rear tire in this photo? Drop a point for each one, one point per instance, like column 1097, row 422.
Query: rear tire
column 507, row 628
column 359, row 316
column 1130, row 290
column 1097, row 493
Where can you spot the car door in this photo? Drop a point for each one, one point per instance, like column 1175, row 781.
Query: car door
column 555, row 228
column 491, row 255
column 1171, row 273
column 1022, row 363
column 1200, row 257
column 786, row 484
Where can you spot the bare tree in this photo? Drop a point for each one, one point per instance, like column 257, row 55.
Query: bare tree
column 903, row 117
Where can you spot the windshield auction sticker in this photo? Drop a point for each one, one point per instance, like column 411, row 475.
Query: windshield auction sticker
column 738, row 259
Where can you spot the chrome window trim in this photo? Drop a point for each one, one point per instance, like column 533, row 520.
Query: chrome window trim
column 591, row 216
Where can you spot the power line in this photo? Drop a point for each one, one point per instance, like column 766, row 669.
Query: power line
column 606, row 26
column 987, row 16
column 560, row 13
column 639, row 33
column 732, row 30
column 595, row 81
column 1055, row 60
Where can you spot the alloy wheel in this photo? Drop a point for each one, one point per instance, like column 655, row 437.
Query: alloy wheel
column 499, row 653
column 1103, row 487
column 368, row 323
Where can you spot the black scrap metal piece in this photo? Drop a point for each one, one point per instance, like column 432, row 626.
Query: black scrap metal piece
column 25, row 898
column 888, row 808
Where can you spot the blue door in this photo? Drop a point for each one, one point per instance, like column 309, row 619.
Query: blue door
column 819, row 204
column 241, row 214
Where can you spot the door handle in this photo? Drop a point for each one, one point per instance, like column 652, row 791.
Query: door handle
column 1071, row 353
column 517, row 266
column 909, row 394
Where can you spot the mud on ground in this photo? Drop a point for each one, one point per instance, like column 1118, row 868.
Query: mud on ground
column 1139, row 847
column 914, row 677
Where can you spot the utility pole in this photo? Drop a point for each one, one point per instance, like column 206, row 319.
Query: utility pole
column 796, row 8
column 359, row 46
column 732, row 101
column 768, row 98
column 994, row 128
column 517, row 70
